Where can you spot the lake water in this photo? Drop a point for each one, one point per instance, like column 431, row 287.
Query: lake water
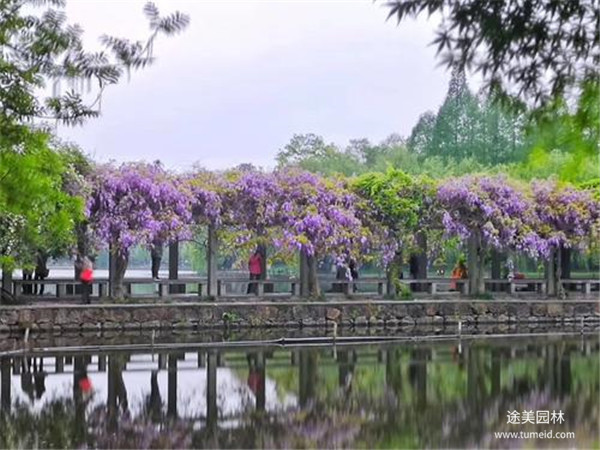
column 431, row 393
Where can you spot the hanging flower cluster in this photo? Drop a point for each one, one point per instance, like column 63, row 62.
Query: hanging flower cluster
column 502, row 216
column 567, row 216
column 137, row 204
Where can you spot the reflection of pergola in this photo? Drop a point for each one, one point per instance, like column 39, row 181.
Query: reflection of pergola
column 407, row 375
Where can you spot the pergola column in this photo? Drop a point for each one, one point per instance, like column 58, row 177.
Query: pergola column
column 212, row 250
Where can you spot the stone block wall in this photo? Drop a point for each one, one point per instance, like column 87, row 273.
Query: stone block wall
column 389, row 314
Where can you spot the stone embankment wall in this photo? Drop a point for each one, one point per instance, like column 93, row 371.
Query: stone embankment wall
column 388, row 314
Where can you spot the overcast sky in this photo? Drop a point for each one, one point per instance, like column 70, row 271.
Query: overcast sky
column 246, row 75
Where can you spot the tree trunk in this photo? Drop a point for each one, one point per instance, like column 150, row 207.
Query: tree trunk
column 5, row 385
column 303, row 266
column 496, row 369
column 553, row 274
column 393, row 273
column 565, row 262
column 212, row 250
column 120, row 263
column 174, row 268
column 172, row 387
column 314, row 288
column 565, row 265
column 421, row 238
column 7, row 278
column 475, row 264
column 307, row 376
column 83, row 246
column 497, row 259
column 560, row 291
column 212, row 411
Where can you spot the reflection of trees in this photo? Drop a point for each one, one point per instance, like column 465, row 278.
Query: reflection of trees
column 154, row 403
column 431, row 400
column 307, row 366
column 117, row 393
column 470, row 420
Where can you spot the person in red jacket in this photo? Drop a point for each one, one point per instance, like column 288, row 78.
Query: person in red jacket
column 87, row 278
column 255, row 264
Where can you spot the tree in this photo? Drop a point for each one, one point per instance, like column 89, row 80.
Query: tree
column 489, row 212
column 301, row 147
column 38, row 48
column 422, row 134
column 457, row 126
column 406, row 207
column 536, row 49
column 567, row 218
column 467, row 127
column 41, row 47
column 36, row 207
column 136, row 204
column 502, row 137
column 573, row 133
column 319, row 217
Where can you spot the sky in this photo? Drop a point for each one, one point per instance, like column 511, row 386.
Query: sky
column 245, row 76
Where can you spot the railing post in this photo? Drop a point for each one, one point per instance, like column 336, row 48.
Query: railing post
column 59, row 364
column 512, row 288
column 587, row 288
column 61, row 289
column 112, row 270
column 433, row 288
column 260, row 288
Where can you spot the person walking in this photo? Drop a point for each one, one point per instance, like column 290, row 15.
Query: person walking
column 87, row 277
column 255, row 264
column 458, row 273
column 156, row 253
column 41, row 272
column 27, row 276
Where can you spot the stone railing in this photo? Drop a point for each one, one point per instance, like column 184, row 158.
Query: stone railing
column 66, row 288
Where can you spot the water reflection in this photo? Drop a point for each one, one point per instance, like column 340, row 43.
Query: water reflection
column 442, row 394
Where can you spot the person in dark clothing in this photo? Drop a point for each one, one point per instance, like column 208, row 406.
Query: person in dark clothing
column 353, row 267
column 27, row 276
column 340, row 274
column 39, row 381
column 27, row 384
column 156, row 253
column 41, row 272
column 414, row 271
